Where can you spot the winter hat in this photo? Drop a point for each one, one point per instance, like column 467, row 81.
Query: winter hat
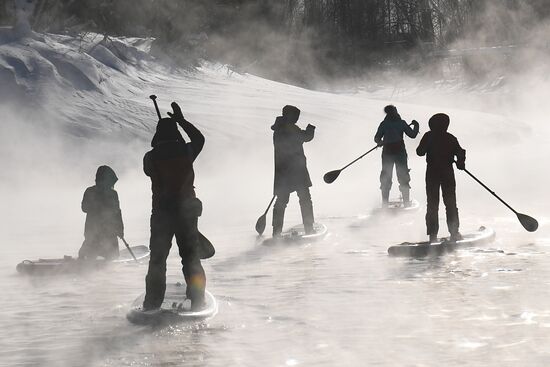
column 439, row 122
column 167, row 130
column 291, row 113
column 105, row 176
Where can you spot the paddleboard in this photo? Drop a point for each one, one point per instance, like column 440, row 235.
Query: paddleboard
column 175, row 308
column 422, row 249
column 69, row 264
column 397, row 206
column 297, row 234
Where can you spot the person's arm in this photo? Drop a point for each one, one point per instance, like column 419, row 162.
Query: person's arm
column 118, row 217
column 424, row 144
column 460, row 156
column 86, row 201
column 309, row 133
column 411, row 132
column 197, row 139
column 379, row 134
column 147, row 164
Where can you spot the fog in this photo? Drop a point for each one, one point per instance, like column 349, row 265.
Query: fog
column 339, row 301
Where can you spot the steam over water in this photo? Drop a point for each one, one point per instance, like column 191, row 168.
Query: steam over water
column 341, row 301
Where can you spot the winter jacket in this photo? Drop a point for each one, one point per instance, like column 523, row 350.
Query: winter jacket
column 170, row 167
column 103, row 219
column 440, row 147
column 390, row 133
column 291, row 172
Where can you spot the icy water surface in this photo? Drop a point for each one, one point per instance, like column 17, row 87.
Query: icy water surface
column 341, row 301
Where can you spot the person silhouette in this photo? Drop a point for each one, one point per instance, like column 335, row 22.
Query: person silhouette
column 390, row 136
column 441, row 150
column 103, row 217
column 175, row 208
column 291, row 173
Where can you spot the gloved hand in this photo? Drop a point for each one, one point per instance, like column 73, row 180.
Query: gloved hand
column 461, row 165
column 177, row 115
column 416, row 123
column 310, row 127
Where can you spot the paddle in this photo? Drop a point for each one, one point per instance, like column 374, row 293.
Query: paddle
column 529, row 223
column 331, row 176
column 129, row 249
column 260, row 224
column 154, row 98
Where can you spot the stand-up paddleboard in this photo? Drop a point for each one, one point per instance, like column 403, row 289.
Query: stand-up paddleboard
column 175, row 308
column 298, row 234
column 69, row 264
column 398, row 206
column 444, row 245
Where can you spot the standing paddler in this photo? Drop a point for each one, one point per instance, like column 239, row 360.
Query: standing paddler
column 390, row 136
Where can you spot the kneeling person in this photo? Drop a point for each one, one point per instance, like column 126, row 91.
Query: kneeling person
column 103, row 217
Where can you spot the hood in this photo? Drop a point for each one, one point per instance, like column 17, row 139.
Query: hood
column 439, row 123
column 167, row 130
column 279, row 122
column 105, row 176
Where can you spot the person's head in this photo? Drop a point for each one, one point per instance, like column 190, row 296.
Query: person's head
column 167, row 131
column 439, row 122
column 291, row 114
column 105, row 177
column 391, row 111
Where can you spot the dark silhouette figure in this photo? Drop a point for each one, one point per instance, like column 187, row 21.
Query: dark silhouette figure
column 441, row 150
column 103, row 217
column 291, row 174
column 390, row 136
column 175, row 208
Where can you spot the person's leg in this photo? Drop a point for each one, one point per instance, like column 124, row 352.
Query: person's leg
column 306, row 207
column 187, row 237
column 279, row 213
column 448, row 189
column 386, row 176
column 432, row 197
column 160, row 243
column 403, row 176
column 110, row 248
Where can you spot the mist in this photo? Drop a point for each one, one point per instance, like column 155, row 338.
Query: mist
column 74, row 96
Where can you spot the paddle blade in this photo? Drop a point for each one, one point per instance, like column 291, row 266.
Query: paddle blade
column 206, row 249
column 331, row 176
column 530, row 224
column 260, row 225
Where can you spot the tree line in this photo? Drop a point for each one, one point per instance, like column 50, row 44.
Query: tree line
column 332, row 34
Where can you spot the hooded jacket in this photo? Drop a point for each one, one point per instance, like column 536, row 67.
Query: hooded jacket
column 100, row 203
column 170, row 164
column 291, row 172
column 390, row 132
column 440, row 148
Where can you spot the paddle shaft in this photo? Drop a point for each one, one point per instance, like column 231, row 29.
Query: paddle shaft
column 373, row 149
column 270, row 203
column 154, row 98
column 129, row 249
column 491, row 191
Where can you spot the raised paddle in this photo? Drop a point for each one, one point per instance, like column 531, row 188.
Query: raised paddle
column 331, row 176
column 529, row 223
column 129, row 249
column 154, row 98
column 260, row 224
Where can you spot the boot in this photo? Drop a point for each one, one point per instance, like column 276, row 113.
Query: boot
column 278, row 221
column 456, row 236
column 406, row 198
column 385, row 198
column 433, row 238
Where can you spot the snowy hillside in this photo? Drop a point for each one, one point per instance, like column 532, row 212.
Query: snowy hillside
column 84, row 101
